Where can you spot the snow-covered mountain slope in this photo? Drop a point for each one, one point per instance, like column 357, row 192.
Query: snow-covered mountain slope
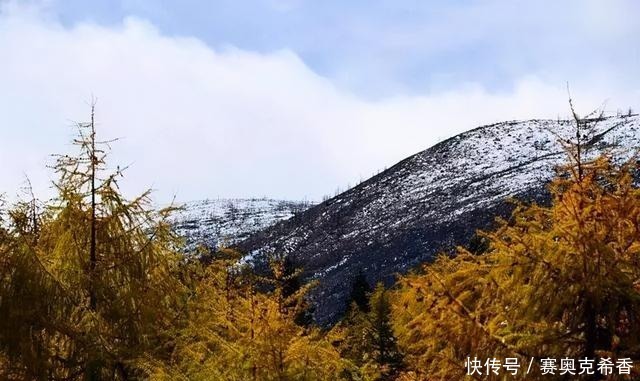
column 223, row 222
column 428, row 203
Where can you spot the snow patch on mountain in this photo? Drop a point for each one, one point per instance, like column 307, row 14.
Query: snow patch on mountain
column 223, row 222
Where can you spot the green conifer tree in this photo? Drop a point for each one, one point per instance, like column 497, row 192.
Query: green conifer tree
column 360, row 292
column 383, row 343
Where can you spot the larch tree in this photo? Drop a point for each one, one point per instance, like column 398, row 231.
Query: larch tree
column 94, row 277
column 558, row 281
column 244, row 326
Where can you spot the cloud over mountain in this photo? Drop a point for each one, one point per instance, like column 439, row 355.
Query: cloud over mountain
column 204, row 122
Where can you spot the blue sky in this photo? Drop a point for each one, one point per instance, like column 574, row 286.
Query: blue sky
column 381, row 48
column 294, row 98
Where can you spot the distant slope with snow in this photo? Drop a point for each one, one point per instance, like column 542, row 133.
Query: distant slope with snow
column 427, row 203
column 223, row 222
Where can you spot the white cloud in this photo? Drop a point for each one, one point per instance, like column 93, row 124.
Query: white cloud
column 203, row 123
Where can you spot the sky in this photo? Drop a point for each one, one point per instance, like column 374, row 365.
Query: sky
column 292, row 99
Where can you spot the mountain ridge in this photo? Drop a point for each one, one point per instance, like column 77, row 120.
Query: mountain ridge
column 427, row 203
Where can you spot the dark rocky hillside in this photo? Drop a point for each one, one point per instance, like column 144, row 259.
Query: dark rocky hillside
column 426, row 204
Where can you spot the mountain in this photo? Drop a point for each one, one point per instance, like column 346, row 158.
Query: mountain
column 427, row 203
column 219, row 222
